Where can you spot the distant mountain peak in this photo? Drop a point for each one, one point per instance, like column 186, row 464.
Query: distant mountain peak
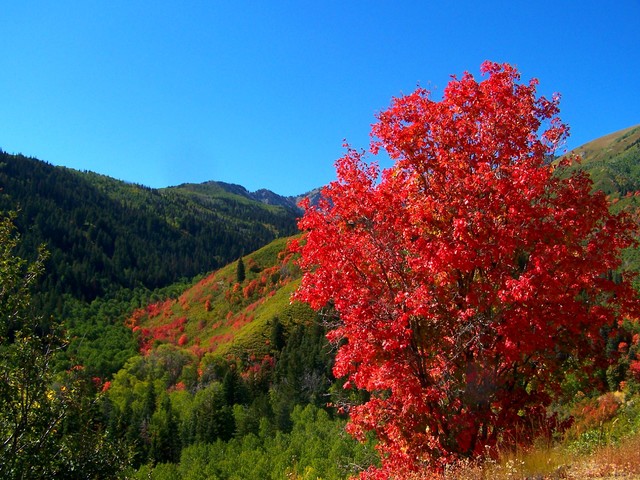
column 263, row 195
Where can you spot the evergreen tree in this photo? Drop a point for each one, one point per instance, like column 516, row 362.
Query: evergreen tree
column 165, row 441
column 277, row 338
column 240, row 271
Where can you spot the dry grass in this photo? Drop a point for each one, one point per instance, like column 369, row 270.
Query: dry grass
column 549, row 463
column 620, row 461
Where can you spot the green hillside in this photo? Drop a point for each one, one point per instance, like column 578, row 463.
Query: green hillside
column 225, row 314
column 104, row 234
column 235, row 361
column 613, row 162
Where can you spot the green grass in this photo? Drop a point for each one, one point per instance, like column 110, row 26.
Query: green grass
column 223, row 318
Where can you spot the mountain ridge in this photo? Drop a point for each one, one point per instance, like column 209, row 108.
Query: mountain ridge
column 599, row 146
column 263, row 195
column 613, row 163
column 104, row 234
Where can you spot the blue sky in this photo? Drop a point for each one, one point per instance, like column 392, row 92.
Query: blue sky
column 263, row 93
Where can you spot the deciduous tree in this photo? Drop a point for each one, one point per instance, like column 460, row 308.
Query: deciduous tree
column 467, row 277
column 44, row 416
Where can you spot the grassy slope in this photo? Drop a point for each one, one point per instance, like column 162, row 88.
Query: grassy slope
column 613, row 162
column 221, row 315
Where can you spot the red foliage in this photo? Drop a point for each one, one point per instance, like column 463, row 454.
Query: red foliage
column 241, row 320
column 592, row 412
column 133, row 321
column 258, row 371
column 183, row 340
column 155, row 309
column 217, row 340
column 161, row 333
column 197, row 350
column 252, row 265
column 250, row 289
column 465, row 273
column 634, row 368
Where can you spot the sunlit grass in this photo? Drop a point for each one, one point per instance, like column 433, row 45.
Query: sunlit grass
column 548, row 463
column 611, row 450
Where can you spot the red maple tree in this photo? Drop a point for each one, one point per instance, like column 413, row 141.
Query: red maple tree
column 466, row 279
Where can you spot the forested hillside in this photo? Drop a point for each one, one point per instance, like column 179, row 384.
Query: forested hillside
column 105, row 234
column 231, row 364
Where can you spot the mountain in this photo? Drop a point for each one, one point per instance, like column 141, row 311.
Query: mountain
column 613, row 162
column 104, row 234
column 264, row 196
column 236, row 337
column 223, row 314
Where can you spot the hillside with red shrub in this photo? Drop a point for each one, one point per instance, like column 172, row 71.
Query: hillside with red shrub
column 223, row 313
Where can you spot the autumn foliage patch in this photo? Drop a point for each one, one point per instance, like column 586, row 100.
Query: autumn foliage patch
column 465, row 281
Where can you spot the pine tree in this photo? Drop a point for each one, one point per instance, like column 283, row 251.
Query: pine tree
column 240, row 271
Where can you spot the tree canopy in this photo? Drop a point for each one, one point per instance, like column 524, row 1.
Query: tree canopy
column 466, row 280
